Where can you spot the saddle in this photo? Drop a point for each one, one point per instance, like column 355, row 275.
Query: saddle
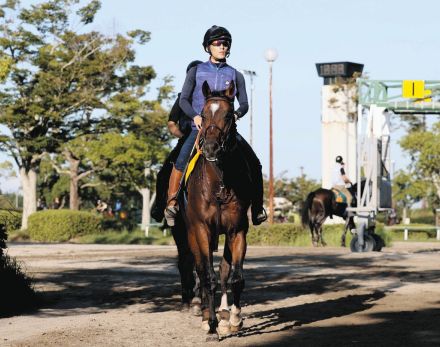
column 340, row 197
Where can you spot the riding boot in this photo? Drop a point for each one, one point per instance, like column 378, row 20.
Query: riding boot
column 172, row 206
column 163, row 177
column 259, row 214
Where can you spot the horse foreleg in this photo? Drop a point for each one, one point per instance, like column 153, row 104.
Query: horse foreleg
column 208, row 282
column 225, row 270
column 210, row 286
column 238, row 246
column 196, row 302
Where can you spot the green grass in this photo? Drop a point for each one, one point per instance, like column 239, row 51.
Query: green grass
column 127, row 237
column 18, row 236
column 396, row 232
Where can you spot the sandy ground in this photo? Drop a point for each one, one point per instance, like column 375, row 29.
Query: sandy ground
column 105, row 295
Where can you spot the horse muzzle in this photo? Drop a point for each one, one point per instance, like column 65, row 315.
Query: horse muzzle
column 211, row 151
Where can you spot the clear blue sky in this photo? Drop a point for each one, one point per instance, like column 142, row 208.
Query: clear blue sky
column 395, row 39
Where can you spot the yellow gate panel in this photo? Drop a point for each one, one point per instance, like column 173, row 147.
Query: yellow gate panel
column 412, row 89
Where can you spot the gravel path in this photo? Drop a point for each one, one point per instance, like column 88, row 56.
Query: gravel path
column 123, row 295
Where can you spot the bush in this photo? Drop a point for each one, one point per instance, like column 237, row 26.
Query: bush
column 62, row 225
column 11, row 219
column 16, row 292
column 3, row 237
column 284, row 234
column 422, row 216
column 289, row 234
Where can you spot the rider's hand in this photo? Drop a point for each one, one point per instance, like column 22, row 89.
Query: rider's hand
column 198, row 122
column 237, row 115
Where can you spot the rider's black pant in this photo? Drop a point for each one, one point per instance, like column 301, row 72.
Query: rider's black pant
column 254, row 171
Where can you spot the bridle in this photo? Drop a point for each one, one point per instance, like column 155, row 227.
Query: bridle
column 225, row 134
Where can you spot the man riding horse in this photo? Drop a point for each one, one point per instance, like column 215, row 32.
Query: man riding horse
column 323, row 203
column 340, row 180
column 219, row 75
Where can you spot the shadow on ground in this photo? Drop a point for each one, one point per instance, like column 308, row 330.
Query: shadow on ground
column 403, row 328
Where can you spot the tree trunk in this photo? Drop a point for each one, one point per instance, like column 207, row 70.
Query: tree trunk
column 74, row 179
column 436, row 181
column 404, row 214
column 147, row 202
column 29, row 184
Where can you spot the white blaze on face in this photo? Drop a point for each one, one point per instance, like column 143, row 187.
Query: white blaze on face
column 214, row 107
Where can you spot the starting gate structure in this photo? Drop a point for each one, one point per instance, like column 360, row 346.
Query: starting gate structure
column 377, row 101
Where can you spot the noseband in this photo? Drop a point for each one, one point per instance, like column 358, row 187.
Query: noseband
column 224, row 134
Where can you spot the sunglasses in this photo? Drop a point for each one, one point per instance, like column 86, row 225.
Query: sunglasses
column 218, row 43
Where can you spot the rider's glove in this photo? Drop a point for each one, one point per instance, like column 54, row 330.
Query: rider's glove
column 237, row 115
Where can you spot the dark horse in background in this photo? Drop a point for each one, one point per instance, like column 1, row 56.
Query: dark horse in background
column 215, row 201
column 321, row 204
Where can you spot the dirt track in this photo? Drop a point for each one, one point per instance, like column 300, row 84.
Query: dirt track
column 99, row 295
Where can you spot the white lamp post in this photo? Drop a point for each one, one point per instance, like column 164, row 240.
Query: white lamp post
column 270, row 55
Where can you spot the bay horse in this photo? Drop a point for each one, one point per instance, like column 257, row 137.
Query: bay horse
column 321, row 204
column 215, row 201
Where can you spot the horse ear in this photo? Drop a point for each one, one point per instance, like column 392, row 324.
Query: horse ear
column 230, row 91
column 205, row 89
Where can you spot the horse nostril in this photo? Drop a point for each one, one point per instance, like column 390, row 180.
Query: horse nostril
column 211, row 149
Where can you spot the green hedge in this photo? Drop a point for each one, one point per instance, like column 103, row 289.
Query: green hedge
column 62, row 225
column 11, row 219
column 289, row 234
column 292, row 234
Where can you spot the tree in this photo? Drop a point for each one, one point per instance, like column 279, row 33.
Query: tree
column 424, row 149
column 54, row 79
column 131, row 163
column 407, row 190
column 295, row 189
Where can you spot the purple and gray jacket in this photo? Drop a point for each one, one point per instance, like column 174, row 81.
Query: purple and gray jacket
column 218, row 76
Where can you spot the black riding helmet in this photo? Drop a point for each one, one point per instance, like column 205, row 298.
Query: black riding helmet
column 216, row 33
column 339, row 159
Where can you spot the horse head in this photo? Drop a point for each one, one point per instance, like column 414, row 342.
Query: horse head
column 218, row 120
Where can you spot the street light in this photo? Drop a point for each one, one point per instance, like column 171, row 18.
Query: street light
column 270, row 55
column 251, row 75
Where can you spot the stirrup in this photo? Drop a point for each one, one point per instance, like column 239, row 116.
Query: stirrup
column 259, row 217
column 170, row 214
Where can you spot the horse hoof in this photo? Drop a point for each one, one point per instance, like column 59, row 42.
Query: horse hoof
column 196, row 310
column 205, row 325
column 236, row 328
column 224, row 328
column 212, row 338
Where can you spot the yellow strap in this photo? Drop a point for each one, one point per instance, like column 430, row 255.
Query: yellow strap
column 191, row 165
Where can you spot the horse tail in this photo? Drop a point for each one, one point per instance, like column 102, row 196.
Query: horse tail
column 305, row 218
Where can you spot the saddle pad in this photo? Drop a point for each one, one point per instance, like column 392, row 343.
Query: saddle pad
column 191, row 165
column 340, row 197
